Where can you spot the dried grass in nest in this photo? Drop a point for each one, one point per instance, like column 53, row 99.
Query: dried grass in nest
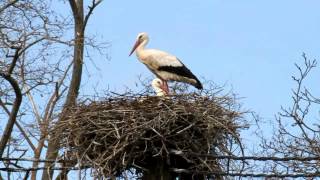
column 133, row 131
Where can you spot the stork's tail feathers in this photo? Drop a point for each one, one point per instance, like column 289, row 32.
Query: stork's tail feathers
column 198, row 84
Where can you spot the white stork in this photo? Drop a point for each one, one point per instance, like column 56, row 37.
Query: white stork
column 165, row 66
column 157, row 85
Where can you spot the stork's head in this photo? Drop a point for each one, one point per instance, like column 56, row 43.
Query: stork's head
column 157, row 85
column 141, row 38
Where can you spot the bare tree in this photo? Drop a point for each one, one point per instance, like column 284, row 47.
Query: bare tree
column 81, row 21
column 29, row 30
column 35, row 64
column 298, row 127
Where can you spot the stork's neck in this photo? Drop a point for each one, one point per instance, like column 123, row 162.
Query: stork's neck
column 140, row 49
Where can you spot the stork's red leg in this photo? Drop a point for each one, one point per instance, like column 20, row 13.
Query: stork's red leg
column 165, row 87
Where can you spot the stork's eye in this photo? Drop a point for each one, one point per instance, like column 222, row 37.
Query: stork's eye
column 140, row 36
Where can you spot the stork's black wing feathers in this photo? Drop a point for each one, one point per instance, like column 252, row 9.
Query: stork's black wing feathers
column 181, row 71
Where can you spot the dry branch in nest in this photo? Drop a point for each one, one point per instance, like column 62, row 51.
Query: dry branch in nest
column 145, row 133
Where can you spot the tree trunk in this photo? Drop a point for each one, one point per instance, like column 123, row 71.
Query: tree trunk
column 159, row 171
column 53, row 144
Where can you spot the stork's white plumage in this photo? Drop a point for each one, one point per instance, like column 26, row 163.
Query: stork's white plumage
column 157, row 85
column 164, row 65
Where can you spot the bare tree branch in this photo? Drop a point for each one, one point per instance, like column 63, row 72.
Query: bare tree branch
column 94, row 4
column 13, row 115
column 8, row 5
column 25, row 135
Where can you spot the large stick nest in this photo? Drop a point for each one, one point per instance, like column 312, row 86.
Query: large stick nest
column 128, row 131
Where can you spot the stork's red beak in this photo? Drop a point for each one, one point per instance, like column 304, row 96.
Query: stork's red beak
column 135, row 46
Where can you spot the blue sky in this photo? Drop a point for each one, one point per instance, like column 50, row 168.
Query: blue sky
column 250, row 45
